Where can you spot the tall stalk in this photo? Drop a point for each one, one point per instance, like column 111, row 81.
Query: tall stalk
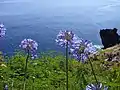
column 93, row 71
column 26, row 70
column 67, row 66
column 33, row 83
column 12, row 85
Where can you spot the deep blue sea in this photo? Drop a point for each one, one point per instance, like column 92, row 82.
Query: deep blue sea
column 41, row 20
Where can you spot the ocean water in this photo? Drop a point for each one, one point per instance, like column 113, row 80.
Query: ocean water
column 41, row 20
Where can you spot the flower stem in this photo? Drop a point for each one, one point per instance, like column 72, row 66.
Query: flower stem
column 26, row 70
column 67, row 66
column 33, row 84
column 12, row 85
column 93, row 70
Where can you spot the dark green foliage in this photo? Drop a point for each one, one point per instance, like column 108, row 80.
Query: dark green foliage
column 48, row 73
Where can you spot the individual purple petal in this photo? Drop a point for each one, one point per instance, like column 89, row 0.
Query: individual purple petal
column 6, row 87
column 90, row 49
column 83, row 57
column 105, row 88
column 33, row 56
column 96, row 87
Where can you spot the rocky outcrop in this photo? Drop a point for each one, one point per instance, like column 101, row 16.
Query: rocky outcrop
column 109, row 37
column 109, row 57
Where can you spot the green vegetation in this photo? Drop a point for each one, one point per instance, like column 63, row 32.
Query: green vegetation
column 48, row 73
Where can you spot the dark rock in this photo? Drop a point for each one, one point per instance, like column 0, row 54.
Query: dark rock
column 109, row 37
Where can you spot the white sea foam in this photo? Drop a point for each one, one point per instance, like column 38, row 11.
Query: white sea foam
column 99, row 46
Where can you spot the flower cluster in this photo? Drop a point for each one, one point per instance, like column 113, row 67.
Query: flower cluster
column 81, row 49
column 29, row 45
column 96, row 87
column 65, row 37
column 2, row 30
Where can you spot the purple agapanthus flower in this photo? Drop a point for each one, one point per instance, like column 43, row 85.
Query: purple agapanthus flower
column 96, row 87
column 81, row 49
column 33, row 55
column 65, row 36
column 2, row 30
column 29, row 45
column 6, row 87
